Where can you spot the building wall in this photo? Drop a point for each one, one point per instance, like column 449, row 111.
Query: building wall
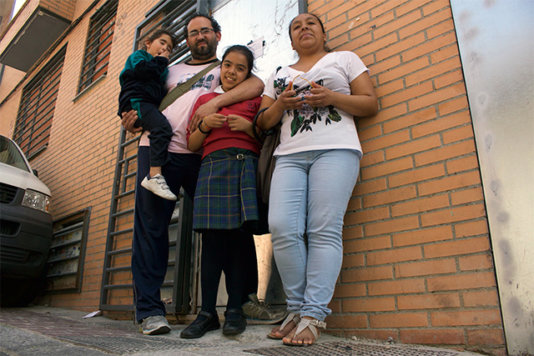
column 9, row 108
column 417, row 263
column 24, row 12
column 6, row 8
column 9, row 79
column 417, row 257
column 62, row 8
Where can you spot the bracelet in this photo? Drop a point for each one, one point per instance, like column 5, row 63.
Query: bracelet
column 200, row 128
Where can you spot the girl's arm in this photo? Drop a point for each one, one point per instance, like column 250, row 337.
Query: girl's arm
column 196, row 138
column 239, row 123
column 361, row 102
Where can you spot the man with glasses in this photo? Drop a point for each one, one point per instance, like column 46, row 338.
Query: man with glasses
column 150, row 247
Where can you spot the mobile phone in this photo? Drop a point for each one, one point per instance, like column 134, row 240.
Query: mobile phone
column 301, row 89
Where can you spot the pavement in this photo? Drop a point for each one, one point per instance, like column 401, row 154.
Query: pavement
column 39, row 330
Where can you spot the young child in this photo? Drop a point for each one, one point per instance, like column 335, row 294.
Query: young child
column 142, row 89
column 225, row 204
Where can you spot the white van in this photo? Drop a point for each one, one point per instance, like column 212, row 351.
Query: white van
column 25, row 227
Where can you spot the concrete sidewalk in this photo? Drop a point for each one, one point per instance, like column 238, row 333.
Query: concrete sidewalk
column 38, row 330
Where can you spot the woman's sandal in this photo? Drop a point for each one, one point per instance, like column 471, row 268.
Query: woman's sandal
column 312, row 325
column 291, row 317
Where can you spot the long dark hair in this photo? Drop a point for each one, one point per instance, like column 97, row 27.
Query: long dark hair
column 244, row 50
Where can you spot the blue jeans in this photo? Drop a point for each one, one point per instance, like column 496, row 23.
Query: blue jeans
column 309, row 195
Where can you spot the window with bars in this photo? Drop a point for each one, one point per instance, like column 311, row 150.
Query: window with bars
column 98, row 46
column 37, row 105
column 172, row 15
column 67, row 252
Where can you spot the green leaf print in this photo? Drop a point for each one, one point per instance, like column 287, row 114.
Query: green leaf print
column 296, row 123
column 333, row 115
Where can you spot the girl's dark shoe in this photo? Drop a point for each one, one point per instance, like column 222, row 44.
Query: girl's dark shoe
column 234, row 322
column 203, row 323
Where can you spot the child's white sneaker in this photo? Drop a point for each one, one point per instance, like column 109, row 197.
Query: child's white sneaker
column 158, row 185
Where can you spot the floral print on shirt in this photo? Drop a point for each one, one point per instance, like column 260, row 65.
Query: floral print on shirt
column 307, row 116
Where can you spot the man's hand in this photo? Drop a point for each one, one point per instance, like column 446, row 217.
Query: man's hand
column 128, row 120
column 202, row 111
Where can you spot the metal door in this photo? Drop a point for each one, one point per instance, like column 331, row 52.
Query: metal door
column 496, row 48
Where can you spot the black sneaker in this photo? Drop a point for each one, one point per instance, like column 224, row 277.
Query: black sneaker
column 234, row 322
column 203, row 323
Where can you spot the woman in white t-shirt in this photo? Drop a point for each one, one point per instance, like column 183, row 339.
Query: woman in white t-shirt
column 317, row 164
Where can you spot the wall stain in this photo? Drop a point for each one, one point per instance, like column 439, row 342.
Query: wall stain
column 508, row 261
column 503, row 217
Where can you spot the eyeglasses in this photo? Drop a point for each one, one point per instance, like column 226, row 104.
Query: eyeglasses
column 203, row 31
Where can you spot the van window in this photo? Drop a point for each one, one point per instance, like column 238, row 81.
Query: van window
column 9, row 154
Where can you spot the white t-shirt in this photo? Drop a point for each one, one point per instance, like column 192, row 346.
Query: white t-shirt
column 178, row 113
column 321, row 128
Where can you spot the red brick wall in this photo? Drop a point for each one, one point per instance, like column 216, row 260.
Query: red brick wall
column 60, row 7
column 417, row 261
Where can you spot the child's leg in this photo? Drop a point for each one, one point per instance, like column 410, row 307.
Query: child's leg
column 213, row 251
column 153, row 120
column 154, row 171
column 160, row 136
column 240, row 267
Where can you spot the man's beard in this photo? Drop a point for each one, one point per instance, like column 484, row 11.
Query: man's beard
column 205, row 52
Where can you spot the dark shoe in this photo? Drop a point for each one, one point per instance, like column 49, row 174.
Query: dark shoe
column 234, row 322
column 203, row 323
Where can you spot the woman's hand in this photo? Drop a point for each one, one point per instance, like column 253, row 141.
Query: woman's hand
column 320, row 96
column 213, row 121
column 288, row 99
column 128, row 121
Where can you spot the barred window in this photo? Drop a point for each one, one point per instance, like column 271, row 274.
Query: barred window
column 98, row 46
column 37, row 106
column 67, row 252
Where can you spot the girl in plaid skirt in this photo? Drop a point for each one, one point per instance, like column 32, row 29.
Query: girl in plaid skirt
column 225, row 203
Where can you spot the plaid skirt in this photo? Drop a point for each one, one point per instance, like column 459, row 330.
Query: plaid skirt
column 225, row 197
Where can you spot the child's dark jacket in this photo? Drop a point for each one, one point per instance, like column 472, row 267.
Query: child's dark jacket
column 142, row 79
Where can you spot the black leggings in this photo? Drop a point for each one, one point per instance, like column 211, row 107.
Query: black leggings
column 151, row 119
column 233, row 252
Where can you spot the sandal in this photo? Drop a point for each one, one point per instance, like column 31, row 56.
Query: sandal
column 291, row 317
column 312, row 325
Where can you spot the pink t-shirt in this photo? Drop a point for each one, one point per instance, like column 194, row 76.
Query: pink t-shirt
column 178, row 113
